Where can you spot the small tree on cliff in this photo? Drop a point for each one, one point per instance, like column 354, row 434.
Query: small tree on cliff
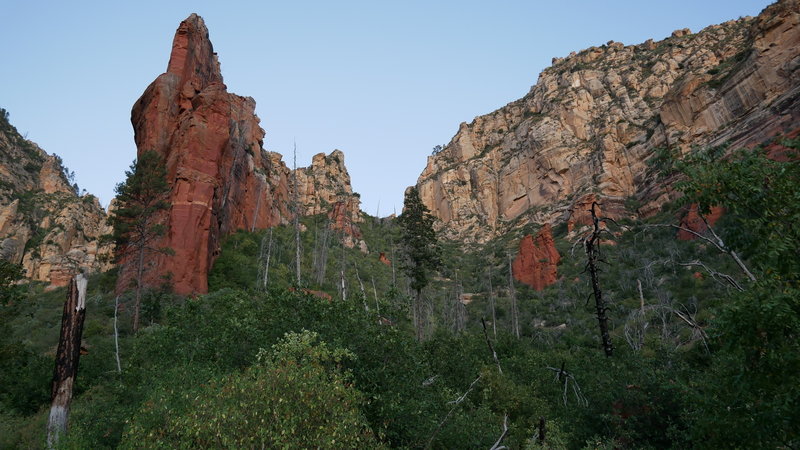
column 140, row 198
column 420, row 250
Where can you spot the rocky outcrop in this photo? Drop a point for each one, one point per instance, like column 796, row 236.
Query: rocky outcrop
column 696, row 222
column 324, row 188
column 536, row 263
column 44, row 224
column 594, row 119
column 221, row 178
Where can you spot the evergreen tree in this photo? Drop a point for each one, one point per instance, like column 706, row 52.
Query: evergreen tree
column 136, row 220
column 420, row 250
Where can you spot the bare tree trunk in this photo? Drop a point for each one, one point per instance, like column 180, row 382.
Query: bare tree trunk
column 593, row 255
column 512, row 292
column 492, row 305
column 343, row 289
column 393, row 262
column 375, row 291
column 296, row 202
column 269, row 255
column 116, row 334
column 361, row 285
column 67, row 356
column 641, row 295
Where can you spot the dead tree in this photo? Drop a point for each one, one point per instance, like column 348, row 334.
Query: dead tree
column 264, row 256
column 512, row 292
column 116, row 334
column 296, row 211
column 67, row 356
column 491, row 304
column 592, row 244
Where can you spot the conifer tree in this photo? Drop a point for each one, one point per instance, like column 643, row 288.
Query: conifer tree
column 420, row 250
column 136, row 220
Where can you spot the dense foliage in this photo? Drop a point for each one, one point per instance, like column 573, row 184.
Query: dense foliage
column 697, row 363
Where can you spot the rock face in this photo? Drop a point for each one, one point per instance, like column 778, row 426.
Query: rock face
column 694, row 222
column 221, row 178
column 44, row 224
column 594, row 119
column 537, row 260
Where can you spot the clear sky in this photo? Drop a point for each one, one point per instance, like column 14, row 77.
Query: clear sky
column 383, row 81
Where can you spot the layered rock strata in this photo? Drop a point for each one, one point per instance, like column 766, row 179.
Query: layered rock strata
column 221, row 177
column 44, row 224
column 595, row 118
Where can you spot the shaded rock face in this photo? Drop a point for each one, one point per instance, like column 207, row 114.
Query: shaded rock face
column 694, row 222
column 221, row 178
column 44, row 224
column 595, row 118
column 537, row 260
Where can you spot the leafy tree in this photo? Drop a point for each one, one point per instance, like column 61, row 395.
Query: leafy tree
column 420, row 249
column 296, row 396
column 749, row 397
column 760, row 194
column 137, row 219
column 10, row 273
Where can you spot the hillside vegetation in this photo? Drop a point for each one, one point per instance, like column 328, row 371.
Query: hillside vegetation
column 703, row 356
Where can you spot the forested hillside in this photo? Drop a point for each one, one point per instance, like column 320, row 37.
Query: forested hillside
column 704, row 355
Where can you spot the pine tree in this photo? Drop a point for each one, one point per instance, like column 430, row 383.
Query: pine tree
column 420, row 250
column 136, row 220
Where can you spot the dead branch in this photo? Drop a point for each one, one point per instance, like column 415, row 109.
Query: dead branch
column 491, row 347
column 455, row 404
column 564, row 377
column 719, row 276
column 497, row 445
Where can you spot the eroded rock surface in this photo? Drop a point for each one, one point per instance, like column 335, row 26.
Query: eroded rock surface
column 44, row 224
column 221, row 177
column 536, row 263
column 594, row 119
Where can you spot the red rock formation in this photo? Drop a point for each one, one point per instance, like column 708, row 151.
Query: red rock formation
column 693, row 221
column 221, row 178
column 382, row 258
column 537, row 260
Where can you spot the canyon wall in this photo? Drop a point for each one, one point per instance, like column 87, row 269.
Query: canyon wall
column 588, row 127
column 45, row 225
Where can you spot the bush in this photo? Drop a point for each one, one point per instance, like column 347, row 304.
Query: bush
column 297, row 396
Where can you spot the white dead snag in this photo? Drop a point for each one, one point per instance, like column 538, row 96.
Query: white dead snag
column 361, row 285
column 296, row 207
column 716, row 242
column 491, row 304
column 67, row 356
column 497, row 445
column 375, row 292
column 512, row 292
column 116, row 334
column 455, row 404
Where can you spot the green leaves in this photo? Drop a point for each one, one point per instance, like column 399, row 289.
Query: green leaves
column 139, row 199
column 762, row 198
column 420, row 246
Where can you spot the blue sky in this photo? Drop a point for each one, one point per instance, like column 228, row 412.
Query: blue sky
column 383, row 81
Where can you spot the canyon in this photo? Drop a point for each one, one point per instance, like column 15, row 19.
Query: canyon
column 590, row 126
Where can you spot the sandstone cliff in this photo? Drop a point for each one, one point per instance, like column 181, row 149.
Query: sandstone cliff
column 222, row 179
column 44, row 224
column 593, row 119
